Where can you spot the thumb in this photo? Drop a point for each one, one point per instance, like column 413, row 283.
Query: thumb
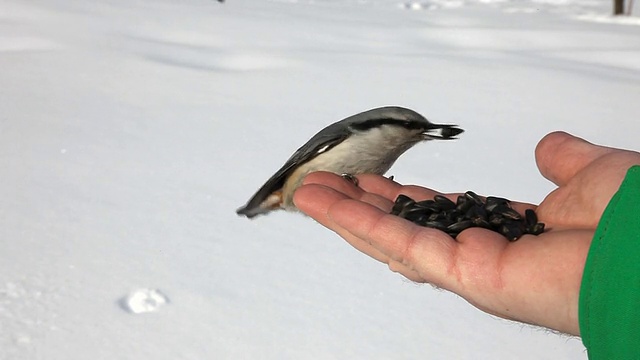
column 560, row 156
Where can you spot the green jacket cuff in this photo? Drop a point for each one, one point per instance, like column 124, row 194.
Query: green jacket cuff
column 609, row 305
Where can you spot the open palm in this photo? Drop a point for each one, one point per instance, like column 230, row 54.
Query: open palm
column 534, row 280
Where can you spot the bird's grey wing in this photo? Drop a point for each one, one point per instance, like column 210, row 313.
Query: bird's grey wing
column 324, row 140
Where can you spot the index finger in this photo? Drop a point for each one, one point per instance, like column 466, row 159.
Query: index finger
column 399, row 239
column 390, row 189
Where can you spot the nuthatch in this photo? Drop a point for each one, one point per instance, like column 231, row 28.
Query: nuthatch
column 368, row 142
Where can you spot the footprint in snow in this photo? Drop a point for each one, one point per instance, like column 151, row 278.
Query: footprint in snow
column 143, row 301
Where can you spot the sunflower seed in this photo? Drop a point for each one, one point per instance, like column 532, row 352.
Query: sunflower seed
column 430, row 205
column 444, row 202
column 507, row 212
column 474, row 197
column 511, row 231
column 537, row 229
column 402, row 201
column 530, row 217
column 492, row 202
column 436, row 225
column 460, row 225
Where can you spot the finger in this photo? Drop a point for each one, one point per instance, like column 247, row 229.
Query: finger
column 560, row 156
column 315, row 200
column 400, row 240
column 371, row 183
column 405, row 271
column 379, row 185
column 390, row 189
column 333, row 181
column 346, row 187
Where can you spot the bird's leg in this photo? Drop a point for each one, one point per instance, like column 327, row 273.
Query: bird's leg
column 390, row 177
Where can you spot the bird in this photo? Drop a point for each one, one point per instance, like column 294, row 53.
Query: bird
column 367, row 142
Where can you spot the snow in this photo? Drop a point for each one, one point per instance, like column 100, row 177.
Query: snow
column 130, row 131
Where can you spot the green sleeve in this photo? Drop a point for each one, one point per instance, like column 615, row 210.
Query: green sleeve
column 609, row 308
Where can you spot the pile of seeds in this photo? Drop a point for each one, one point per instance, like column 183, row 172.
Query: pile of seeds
column 468, row 211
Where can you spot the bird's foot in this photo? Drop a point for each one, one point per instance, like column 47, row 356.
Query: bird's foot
column 350, row 178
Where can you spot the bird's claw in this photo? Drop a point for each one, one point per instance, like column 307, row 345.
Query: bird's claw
column 350, row 178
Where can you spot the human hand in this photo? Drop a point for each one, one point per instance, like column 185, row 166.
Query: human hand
column 534, row 280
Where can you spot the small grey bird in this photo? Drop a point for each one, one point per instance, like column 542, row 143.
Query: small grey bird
column 368, row 142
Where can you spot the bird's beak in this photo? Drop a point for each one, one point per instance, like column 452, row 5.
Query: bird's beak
column 442, row 132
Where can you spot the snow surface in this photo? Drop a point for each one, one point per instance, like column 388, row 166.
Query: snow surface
column 130, row 131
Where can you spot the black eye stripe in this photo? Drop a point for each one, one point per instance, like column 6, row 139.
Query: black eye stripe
column 373, row 123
